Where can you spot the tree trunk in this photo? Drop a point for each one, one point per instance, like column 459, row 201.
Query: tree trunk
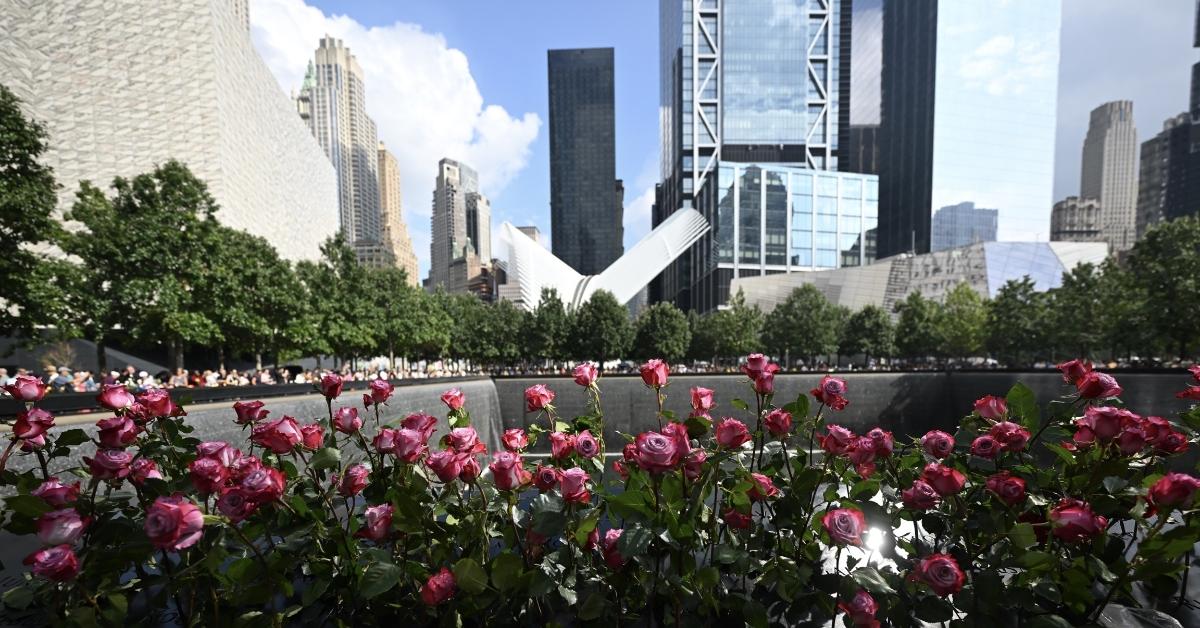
column 220, row 357
column 392, row 361
column 258, row 360
column 175, row 354
column 101, row 358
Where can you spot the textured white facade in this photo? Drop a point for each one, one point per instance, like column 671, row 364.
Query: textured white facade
column 123, row 85
column 395, row 232
column 1110, row 172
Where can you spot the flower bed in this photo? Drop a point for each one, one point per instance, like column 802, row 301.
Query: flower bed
column 1052, row 514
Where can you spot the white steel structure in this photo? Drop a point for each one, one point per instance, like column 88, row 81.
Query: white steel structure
column 531, row 267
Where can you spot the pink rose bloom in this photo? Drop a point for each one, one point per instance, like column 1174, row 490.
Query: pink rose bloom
column 59, row 527
column 1074, row 370
column 991, row 408
column 732, row 433
column 860, row 610
column 1073, row 521
column 546, row 478
column 656, row 452
column 593, row 539
column 920, row 496
column 655, row 372
column 514, row 439
column 312, row 435
column 55, row 493
column 445, row 464
column 1008, row 487
column 573, row 485
column 1097, row 385
column 508, row 472
column 693, row 464
column 884, row 443
column 208, row 475
column 1170, row 443
column 157, row 403
column 678, row 433
column 438, row 588
column 585, row 374
column 586, row 445
column 831, row 392
column 354, row 480
column 763, row 488
column 409, row 445
column 764, row 384
column 346, row 420
column 1132, row 439
column 465, row 440
column 702, row 399
column 845, row 526
column 937, row 443
column 26, row 388
column 837, row 440
column 117, row 432
column 944, row 479
column 250, row 412
column 1195, row 371
column 243, row 466
column 470, row 469
column 385, row 441
column 736, row 519
column 33, row 444
column 1173, row 490
column 756, row 364
column 1011, row 436
column 1191, row 392
column 57, row 564
column 778, row 422
column 424, row 423
column 380, row 390
column 942, row 573
column 109, row 464
column 220, row 450
column 861, row 450
column 174, row 523
column 538, row 397
column 278, row 436
column 612, row 556
column 377, row 522
column 985, row 447
column 115, row 397
column 454, row 399
column 32, row 423
column 1105, row 422
column 331, row 386
column 264, row 484
column 143, row 469
column 236, row 504
column 561, row 445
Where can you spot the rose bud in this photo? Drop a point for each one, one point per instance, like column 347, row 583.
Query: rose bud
column 585, row 374
column 991, row 407
column 59, row 527
column 243, row 466
column 937, row 444
column 454, row 399
column 143, row 469
column 220, row 450
column 1073, row 521
column 942, row 573
column 586, row 445
column 377, row 522
column 1074, row 370
column 26, row 388
column 117, row 432
column 249, row 412
column 174, row 523
column 620, row 467
column 920, row 496
column 331, row 386
column 465, row 440
column 29, row 445
column 264, row 484
column 778, row 422
column 409, row 445
column 561, row 445
column 312, row 436
column 157, row 403
column 573, row 485
column 545, row 478
column 656, row 452
column 702, row 399
column 32, row 423
column 538, row 397
column 756, row 364
column 865, row 469
column 55, row 493
column 1173, row 490
column 629, row 452
column 279, row 436
column 1105, row 422
column 1195, row 371
column 1097, row 385
column 1170, row 443
column 438, row 588
column 235, row 504
column 831, row 392
column 861, row 609
column 1191, row 392
column 1131, row 440
column 693, row 464
column 114, row 397
column 424, row 423
column 1011, row 436
column 208, row 475
column 762, row 489
column 593, row 539
column 612, row 557
column 470, row 469
column 736, row 520
column 732, row 433
column 655, row 372
column 346, row 420
column 884, row 443
column 109, row 464
column 944, row 479
column 837, row 440
column 57, row 564
column 445, row 464
column 764, row 384
column 354, row 480
column 845, row 526
column 985, row 447
column 380, row 390
column 508, row 472
column 1008, row 487
column 514, row 439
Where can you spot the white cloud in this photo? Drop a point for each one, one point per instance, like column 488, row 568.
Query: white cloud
column 636, row 218
column 420, row 93
column 1003, row 65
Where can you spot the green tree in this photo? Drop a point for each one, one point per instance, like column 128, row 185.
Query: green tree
column 737, row 329
column 1166, row 265
column 600, row 329
column 1016, row 320
column 1074, row 312
column 805, row 325
column 393, row 305
column 342, row 318
column 546, row 328
column 1124, row 320
column 868, row 331
column 963, row 323
column 917, row 327
column 662, row 331
column 702, row 346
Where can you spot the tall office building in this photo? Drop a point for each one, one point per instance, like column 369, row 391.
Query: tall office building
column 968, row 99
column 963, row 224
column 396, row 240
column 1109, row 173
column 124, row 85
column 1075, row 219
column 461, row 223
column 479, row 225
column 859, row 143
column 332, row 101
column 586, row 229
column 748, row 87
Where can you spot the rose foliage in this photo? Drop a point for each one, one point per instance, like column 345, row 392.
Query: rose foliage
column 772, row 514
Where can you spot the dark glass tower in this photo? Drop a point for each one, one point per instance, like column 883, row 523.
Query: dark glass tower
column 586, row 230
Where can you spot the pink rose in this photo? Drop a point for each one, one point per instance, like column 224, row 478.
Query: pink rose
column 538, row 397
column 1074, row 370
column 942, row 573
column 586, row 445
column 991, row 408
column 243, row 466
column 33, row 444
column 655, row 372
column 114, row 397
column 1011, row 436
column 831, row 392
column 117, row 432
column 860, row 610
column 1008, row 487
column 250, row 412
column 546, row 478
column 764, row 384
column 778, row 422
column 920, row 496
column 593, row 539
column 439, row 588
column 143, row 469
column 1073, row 521
column 1195, row 371
column 1171, row 442
column 354, row 480
column 1105, row 422
column 514, row 439
column 470, row 469
column 693, row 464
column 845, row 526
column 756, row 364
column 561, row 445
column 678, row 433
column 32, row 423
column 208, row 475
column 861, row 450
column 445, row 464
column 57, row 564
column 884, row 443
column 732, row 433
column 454, row 399
column 109, row 464
column 312, row 436
column 264, row 484
column 656, row 452
column 174, row 523
column 377, row 522
column 585, row 374
column 1132, row 439
column 346, row 420
column 612, row 556
column 236, row 504
column 1097, row 385
column 380, row 390
column 837, row 440
column 26, row 388
column 409, row 445
column 331, row 386
column 508, row 472
column 278, row 436
column 465, row 440
column 573, row 485
column 762, row 489
column 736, row 519
column 1191, row 392
column 158, row 403
column 424, row 423
column 55, row 493
column 220, row 450
column 937, row 443
column 985, row 447
column 59, row 527
column 1173, row 490
column 702, row 399
column 944, row 479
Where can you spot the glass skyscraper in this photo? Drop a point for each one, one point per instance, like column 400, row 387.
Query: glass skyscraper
column 962, row 224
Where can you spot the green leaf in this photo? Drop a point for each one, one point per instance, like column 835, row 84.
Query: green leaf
column 870, row 579
column 18, row 598
column 506, row 571
column 1023, row 536
column 1059, row 451
column 634, row 542
column 71, row 438
column 593, row 606
column 27, row 505
column 739, row 404
column 864, row 489
column 1022, row 404
column 934, row 610
column 1049, row 621
column 379, row 578
column 325, row 458
column 697, row 426
column 469, row 576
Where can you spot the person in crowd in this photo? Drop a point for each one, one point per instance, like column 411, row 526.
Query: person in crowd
column 178, row 380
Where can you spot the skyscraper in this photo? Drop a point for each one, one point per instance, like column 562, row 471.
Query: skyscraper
column 961, row 225
column 395, row 232
column 585, row 216
column 461, row 228
column 332, row 101
column 968, row 104
column 1109, row 173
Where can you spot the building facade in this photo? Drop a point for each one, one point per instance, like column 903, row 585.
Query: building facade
column 395, row 238
column 1075, row 219
column 968, row 101
column 460, row 213
column 1109, row 173
column 586, row 228
column 332, row 101
column 203, row 96
column 963, row 224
